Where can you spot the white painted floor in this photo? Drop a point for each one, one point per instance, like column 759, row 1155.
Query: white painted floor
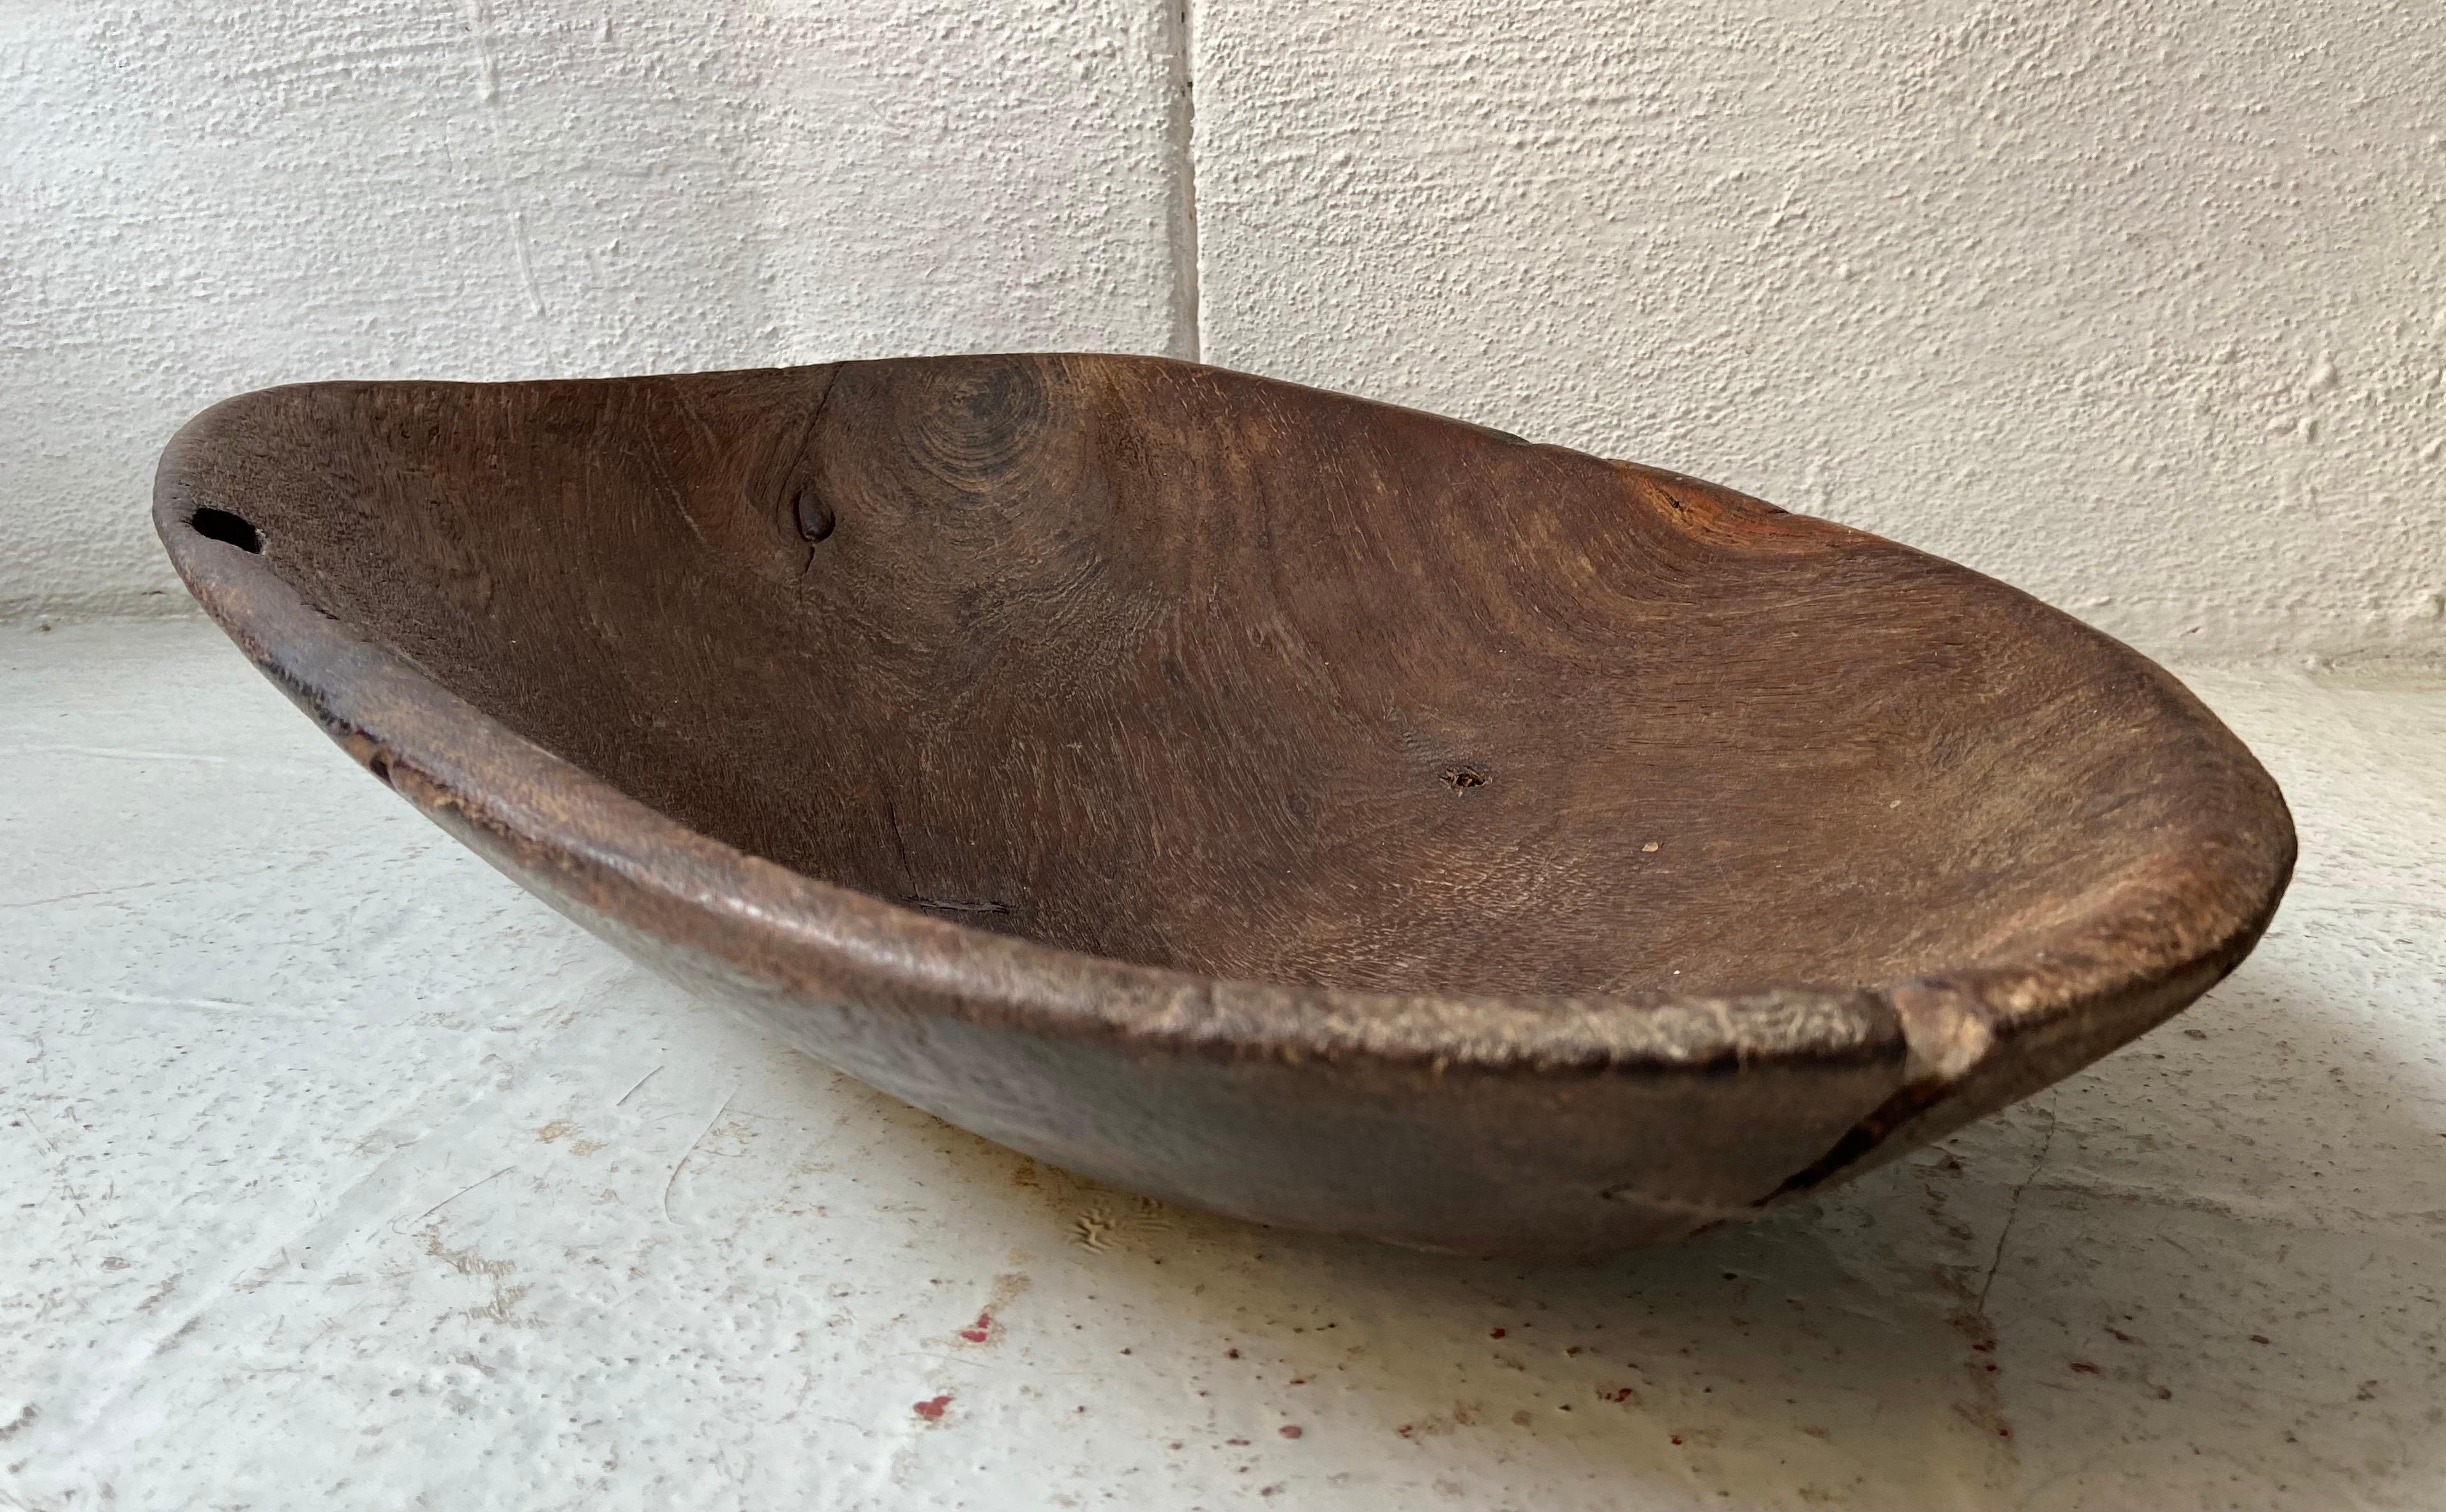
column 341, row 1174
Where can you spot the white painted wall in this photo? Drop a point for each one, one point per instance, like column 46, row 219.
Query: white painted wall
column 202, row 197
column 2140, row 307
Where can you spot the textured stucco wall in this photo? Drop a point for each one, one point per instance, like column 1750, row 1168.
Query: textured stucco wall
column 212, row 195
column 2139, row 307
column 2142, row 308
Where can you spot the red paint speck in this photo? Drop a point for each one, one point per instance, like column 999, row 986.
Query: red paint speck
column 1292, row 1430
column 932, row 1411
column 2004, row 1433
column 978, row 1332
column 1230, row 1354
column 1495, row 1334
column 1677, row 1438
column 1619, row 1393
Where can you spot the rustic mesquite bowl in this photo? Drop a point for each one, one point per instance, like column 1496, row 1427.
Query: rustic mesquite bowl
column 1307, row 809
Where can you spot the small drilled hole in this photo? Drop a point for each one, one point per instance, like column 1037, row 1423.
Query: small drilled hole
column 233, row 530
column 815, row 516
column 1461, row 780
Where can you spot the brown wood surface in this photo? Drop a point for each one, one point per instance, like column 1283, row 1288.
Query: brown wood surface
column 1319, row 811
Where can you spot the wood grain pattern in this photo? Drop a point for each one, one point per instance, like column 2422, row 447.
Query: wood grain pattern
column 1314, row 810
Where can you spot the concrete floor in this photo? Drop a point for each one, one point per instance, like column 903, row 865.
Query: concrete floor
column 342, row 1174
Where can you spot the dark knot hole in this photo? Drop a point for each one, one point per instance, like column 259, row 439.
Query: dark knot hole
column 813, row 515
column 233, row 529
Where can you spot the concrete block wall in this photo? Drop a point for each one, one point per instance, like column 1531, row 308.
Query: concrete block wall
column 203, row 197
column 2142, row 308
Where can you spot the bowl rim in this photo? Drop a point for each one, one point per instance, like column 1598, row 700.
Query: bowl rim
column 2101, row 975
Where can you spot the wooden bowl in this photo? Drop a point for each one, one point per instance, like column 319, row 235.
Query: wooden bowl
column 1309, row 809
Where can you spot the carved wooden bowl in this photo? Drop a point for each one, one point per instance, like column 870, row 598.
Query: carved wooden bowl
column 1309, row 809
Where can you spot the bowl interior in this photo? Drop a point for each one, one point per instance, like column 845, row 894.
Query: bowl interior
column 1196, row 669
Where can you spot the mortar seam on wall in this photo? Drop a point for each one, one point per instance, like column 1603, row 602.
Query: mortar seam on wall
column 1188, row 292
